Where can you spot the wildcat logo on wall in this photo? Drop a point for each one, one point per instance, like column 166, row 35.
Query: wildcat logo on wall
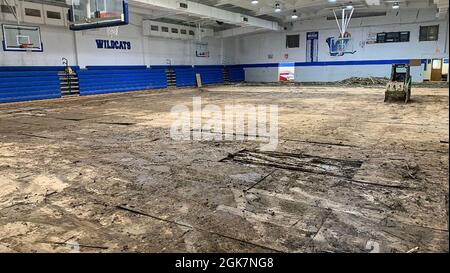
column 341, row 45
column 112, row 44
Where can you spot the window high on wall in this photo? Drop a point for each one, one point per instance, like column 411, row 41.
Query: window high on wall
column 292, row 41
column 7, row 9
column 429, row 33
column 393, row 37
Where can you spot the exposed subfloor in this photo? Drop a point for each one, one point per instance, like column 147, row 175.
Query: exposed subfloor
column 351, row 174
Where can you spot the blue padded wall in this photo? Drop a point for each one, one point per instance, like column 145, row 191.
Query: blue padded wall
column 185, row 75
column 211, row 74
column 102, row 81
column 236, row 73
column 115, row 67
column 158, row 78
column 23, row 84
column 163, row 67
column 35, row 68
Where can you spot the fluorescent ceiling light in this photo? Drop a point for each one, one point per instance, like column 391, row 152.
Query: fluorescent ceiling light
column 277, row 7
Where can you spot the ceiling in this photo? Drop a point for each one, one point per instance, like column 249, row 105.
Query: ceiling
column 305, row 9
column 265, row 9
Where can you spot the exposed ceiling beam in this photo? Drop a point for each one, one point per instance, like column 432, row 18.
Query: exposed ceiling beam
column 238, row 32
column 207, row 12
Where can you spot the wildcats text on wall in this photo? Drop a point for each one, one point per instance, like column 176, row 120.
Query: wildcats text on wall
column 113, row 44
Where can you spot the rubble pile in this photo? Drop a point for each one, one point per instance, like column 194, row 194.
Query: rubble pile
column 357, row 81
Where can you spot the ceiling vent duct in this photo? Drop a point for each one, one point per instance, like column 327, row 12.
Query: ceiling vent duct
column 361, row 15
column 183, row 5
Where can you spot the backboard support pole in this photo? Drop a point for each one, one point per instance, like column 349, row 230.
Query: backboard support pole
column 13, row 11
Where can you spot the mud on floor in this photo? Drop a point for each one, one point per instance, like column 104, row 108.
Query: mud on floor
column 351, row 174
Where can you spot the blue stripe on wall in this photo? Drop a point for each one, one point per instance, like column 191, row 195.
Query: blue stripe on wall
column 330, row 63
column 260, row 65
column 171, row 66
column 116, row 67
column 209, row 66
column 287, row 65
column 360, row 62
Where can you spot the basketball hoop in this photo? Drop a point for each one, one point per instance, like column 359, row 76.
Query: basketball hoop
column 27, row 47
column 112, row 31
column 108, row 14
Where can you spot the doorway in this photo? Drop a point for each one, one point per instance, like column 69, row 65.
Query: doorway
column 312, row 46
column 436, row 70
column 286, row 72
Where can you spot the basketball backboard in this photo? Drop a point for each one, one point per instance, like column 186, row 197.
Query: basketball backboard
column 21, row 38
column 202, row 50
column 88, row 14
column 340, row 46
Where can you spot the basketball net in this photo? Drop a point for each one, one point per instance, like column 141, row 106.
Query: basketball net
column 112, row 31
column 27, row 47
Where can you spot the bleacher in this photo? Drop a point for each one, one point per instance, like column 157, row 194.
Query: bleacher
column 185, row 75
column 210, row 74
column 29, row 83
column 158, row 79
column 42, row 82
column 236, row 73
column 110, row 79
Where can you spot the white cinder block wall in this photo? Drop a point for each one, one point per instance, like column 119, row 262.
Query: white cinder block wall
column 256, row 49
column 58, row 42
column 262, row 74
column 80, row 48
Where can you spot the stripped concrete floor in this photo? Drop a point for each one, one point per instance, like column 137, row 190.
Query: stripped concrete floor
column 350, row 174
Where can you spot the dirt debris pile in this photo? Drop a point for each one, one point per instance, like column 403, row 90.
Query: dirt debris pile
column 358, row 81
column 350, row 82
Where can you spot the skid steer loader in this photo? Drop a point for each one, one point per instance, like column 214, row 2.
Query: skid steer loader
column 399, row 87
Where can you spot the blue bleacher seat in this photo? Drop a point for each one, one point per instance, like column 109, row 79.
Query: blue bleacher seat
column 185, row 75
column 236, row 73
column 20, row 83
column 210, row 74
column 29, row 83
column 101, row 80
